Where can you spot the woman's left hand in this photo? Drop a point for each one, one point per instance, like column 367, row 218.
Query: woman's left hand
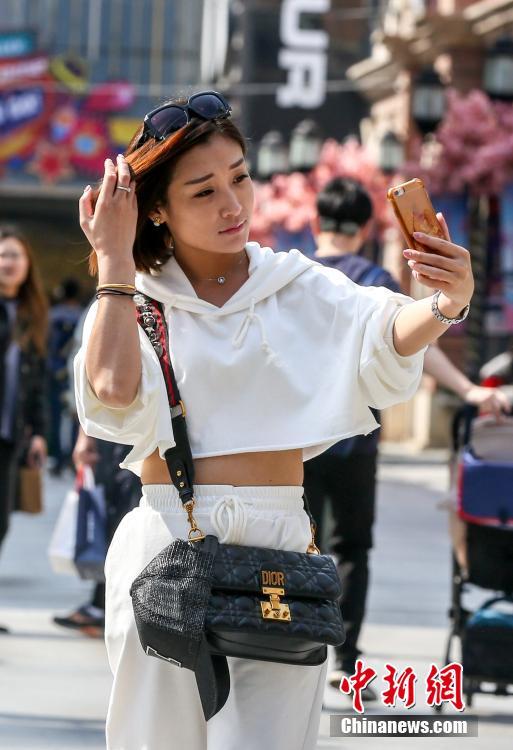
column 444, row 266
column 37, row 452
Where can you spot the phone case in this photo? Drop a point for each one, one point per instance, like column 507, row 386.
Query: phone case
column 414, row 211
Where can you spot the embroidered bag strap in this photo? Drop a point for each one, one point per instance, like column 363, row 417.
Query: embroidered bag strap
column 150, row 316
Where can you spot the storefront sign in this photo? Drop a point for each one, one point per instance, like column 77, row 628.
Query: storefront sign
column 304, row 56
column 16, row 43
column 17, row 70
column 19, row 107
column 287, row 61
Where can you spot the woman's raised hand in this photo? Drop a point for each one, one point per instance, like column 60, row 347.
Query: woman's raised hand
column 110, row 224
column 443, row 265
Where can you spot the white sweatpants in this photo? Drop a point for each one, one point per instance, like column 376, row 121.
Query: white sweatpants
column 154, row 705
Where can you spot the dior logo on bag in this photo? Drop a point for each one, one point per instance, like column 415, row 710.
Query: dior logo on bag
column 272, row 578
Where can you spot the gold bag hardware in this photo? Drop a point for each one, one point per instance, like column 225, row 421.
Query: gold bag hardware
column 273, row 582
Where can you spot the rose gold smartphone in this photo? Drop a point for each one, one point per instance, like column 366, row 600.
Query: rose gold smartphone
column 414, row 211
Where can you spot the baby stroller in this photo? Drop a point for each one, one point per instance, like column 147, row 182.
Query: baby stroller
column 482, row 555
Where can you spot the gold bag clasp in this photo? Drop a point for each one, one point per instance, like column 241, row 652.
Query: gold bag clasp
column 274, row 609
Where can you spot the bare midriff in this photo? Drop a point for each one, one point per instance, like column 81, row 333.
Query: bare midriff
column 278, row 468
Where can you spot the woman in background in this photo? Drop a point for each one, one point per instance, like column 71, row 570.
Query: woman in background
column 23, row 332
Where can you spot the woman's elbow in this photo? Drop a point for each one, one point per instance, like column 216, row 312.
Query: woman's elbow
column 115, row 394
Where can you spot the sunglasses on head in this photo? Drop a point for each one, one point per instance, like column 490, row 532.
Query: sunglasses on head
column 167, row 119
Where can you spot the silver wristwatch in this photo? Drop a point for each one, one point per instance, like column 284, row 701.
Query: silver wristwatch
column 439, row 316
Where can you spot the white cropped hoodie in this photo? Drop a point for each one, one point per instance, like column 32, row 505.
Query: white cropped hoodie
column 294, row 359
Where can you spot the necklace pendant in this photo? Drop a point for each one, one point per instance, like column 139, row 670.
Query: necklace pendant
column 221, row 279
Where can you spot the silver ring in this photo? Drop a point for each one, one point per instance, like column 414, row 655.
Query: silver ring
column 126, row 189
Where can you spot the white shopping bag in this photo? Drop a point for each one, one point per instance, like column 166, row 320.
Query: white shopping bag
column 61, row 549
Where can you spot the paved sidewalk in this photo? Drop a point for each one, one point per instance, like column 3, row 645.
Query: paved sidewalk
column 54, row 684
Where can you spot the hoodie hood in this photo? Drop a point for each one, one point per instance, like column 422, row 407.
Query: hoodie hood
column 268, row 273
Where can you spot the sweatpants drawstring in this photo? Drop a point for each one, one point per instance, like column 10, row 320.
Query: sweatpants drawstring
column 229, row 518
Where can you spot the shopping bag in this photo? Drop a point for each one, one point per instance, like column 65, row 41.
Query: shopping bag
column 61, row 549
column 91, row 529
column 30, row 490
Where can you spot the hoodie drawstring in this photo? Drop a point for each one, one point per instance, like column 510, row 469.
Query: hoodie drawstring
column 241, row 334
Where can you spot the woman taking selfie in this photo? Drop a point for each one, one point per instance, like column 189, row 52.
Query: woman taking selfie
column 276, row 358
column 23, row 329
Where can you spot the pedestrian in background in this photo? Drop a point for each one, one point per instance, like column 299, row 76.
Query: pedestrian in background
column 345, row 475
column 121, row 490
column 23, row 332
column 64, row 316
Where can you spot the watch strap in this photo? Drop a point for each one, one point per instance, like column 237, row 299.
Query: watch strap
column 443, row 318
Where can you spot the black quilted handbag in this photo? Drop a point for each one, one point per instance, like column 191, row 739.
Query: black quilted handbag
column 273, row 605
column 231, row 600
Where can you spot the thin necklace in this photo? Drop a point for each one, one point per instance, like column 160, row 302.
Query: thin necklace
column 222, row 278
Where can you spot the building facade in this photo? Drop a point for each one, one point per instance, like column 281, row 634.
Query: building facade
column 75, row 78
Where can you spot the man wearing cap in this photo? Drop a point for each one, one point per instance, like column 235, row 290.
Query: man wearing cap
column 345, row 475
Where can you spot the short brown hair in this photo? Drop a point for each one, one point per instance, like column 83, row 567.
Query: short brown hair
column 152, row 166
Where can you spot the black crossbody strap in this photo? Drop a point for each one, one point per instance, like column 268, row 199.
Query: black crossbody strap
column 150, row 316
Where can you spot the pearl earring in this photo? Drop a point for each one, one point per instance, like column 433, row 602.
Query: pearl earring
column 156, row 222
